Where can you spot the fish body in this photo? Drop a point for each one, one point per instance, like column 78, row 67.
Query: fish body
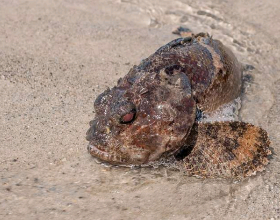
column 152, row 112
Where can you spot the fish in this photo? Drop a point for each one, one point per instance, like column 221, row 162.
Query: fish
column 152, row 112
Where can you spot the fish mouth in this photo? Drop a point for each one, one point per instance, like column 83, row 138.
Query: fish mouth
column 104, row 156
column 126, row 159
column 99, row 154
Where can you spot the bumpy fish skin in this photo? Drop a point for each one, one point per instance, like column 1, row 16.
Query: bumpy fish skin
column 213, row 70
column 152, row 110
column 225, row 149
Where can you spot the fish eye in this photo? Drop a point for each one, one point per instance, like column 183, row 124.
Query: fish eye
column 128, row 117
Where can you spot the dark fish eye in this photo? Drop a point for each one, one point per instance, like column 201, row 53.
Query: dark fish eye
column 128, row 117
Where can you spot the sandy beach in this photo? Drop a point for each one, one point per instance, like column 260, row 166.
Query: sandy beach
column 56, row 56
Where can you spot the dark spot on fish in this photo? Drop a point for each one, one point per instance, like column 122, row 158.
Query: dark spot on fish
column 241, row 128
column 211, row 130
column 190, row 143
column 199, row 114
column 233, row 126
column 230, row 143
column 172, row 68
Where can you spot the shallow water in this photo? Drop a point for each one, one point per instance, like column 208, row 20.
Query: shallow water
column 52, row 69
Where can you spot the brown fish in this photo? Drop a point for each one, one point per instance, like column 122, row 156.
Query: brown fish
column 152, row 112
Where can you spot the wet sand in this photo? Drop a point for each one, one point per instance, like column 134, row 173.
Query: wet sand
column 57, row 56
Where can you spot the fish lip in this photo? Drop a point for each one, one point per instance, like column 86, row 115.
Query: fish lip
column 96, row 153
column 100, row 154
column 112, row 159
column 103, row 156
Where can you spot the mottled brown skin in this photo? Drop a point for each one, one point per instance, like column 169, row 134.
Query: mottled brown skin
column 228, row 149
column 164, row 114
column 213, row 70
column 152, row 112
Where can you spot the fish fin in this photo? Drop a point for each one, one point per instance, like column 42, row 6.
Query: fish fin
column 225, row 149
